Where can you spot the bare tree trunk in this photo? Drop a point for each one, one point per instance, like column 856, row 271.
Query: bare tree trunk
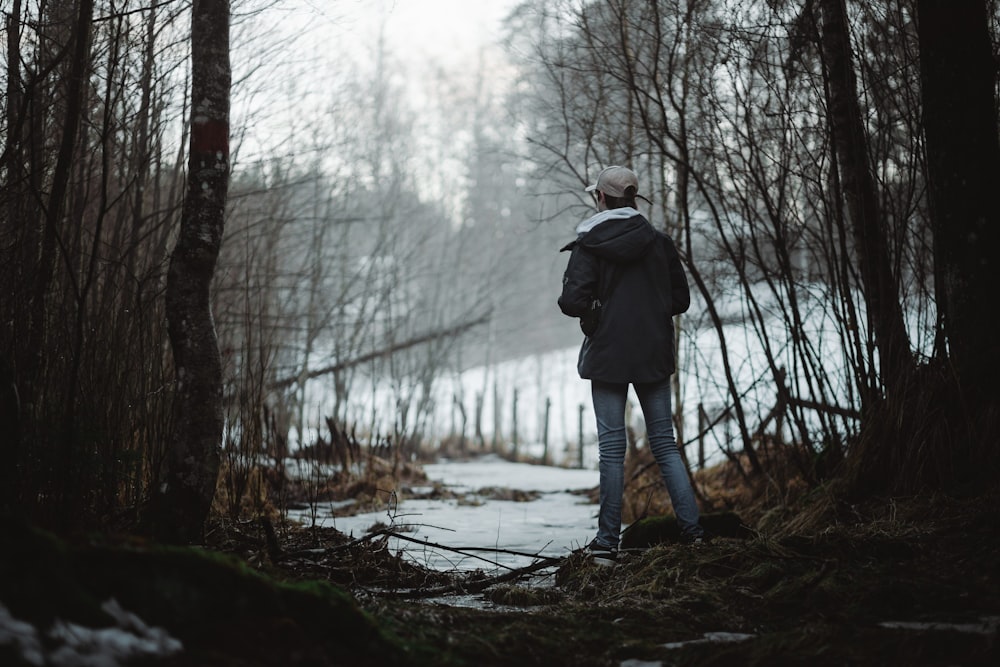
column 850, row 144
column 182, row 501
column 143, row 149
column 76, row 91
column 958, row 74
column 12, row 150
column 10, row 404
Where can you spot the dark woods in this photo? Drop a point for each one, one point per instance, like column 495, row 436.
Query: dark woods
column 828, row 151
column 824, row 151
column 94, row 213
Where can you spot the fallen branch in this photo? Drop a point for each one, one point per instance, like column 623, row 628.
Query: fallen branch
column 466, row 586
column 463, row 550
column 479, row 585
column 449, row 332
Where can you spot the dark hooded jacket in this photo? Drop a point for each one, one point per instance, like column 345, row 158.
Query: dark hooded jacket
column 623, row 254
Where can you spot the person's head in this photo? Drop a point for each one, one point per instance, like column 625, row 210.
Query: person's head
column 615, row 187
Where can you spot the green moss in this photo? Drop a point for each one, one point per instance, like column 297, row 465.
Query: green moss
column 766, row 574
column 813, row 597
column 212, row 602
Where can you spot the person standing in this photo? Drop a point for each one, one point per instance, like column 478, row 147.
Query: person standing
column 625, row 282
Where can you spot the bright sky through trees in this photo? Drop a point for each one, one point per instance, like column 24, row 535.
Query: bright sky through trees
column 297, row 54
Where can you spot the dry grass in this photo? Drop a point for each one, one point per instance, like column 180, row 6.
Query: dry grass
column 811, row 584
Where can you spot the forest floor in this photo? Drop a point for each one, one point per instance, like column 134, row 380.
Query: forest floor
column 817, row 581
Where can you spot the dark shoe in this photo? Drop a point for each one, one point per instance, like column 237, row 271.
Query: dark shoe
column 600, row 555
column 688, row 538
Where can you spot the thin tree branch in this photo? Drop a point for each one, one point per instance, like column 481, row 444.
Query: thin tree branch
column 449, row 332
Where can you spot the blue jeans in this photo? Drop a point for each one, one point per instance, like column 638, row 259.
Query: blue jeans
column 609, row 407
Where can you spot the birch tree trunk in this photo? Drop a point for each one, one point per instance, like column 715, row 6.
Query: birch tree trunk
column 181, row 502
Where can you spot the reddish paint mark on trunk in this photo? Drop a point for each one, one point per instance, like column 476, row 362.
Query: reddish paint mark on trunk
column 210, row 136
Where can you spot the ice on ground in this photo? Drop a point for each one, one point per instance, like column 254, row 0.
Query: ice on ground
column 552, row 525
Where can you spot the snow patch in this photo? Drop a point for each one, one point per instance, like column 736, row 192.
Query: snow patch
column 73, row 645
column 987, row 626
column 712, row 638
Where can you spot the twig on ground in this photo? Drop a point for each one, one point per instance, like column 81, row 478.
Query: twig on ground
column 461, row 550
column 479, row 585
column 464, row 586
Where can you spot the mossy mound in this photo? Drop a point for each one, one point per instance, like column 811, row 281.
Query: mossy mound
column 654, row 530
column 222, row 610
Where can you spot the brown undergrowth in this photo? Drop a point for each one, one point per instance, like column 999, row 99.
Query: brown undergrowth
column 728, row 486
column 815, row 579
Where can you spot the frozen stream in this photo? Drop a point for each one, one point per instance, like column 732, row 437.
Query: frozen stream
column 552, row 525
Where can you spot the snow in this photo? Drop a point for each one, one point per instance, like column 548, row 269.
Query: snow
column 552, row 525
column 707, row 638
column 71, row 645
column 550, row 378
column 493, row 471
column 987, row 626
column 559, row 521
column 712, row 638
column 22, row 636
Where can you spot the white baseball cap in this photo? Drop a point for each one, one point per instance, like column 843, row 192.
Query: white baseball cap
column 613, row 181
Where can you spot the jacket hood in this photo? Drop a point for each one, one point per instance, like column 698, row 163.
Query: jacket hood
column 620, row 235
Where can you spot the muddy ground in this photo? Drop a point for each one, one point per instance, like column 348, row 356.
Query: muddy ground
column 815, row 581
column 888, row 581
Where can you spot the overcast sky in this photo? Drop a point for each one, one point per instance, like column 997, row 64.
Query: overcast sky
column 424, row 34
column 299, row 46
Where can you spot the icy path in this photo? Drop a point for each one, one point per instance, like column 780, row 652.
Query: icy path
column 552, row 525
